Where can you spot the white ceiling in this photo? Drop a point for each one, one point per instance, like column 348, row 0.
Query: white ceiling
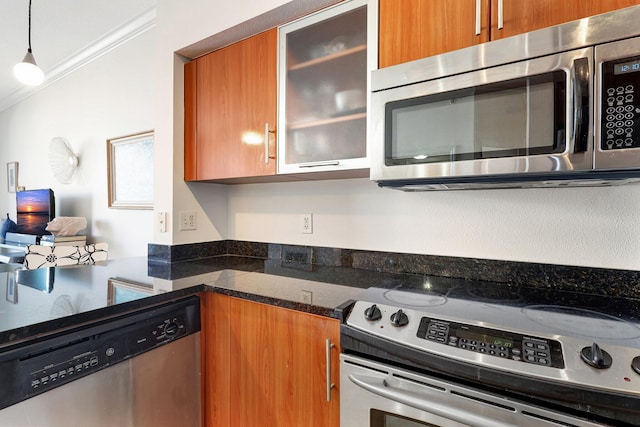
column 64, row 35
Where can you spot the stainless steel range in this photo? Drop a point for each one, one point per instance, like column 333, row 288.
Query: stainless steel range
column 457, row 353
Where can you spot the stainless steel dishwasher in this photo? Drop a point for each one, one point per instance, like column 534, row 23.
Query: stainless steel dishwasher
column 138, row 369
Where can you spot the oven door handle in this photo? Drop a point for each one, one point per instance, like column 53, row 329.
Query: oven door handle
column 427, row 401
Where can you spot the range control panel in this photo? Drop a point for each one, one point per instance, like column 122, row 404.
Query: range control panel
column 521, row 348
column 620, row 104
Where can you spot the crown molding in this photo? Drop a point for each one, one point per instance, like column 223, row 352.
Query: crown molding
column 90, row 53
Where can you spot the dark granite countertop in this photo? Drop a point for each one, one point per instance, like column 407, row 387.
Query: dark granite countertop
column 40, row 302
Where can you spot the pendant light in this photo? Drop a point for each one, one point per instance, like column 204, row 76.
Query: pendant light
column 28, row 71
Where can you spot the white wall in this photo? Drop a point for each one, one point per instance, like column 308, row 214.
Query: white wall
column 110, row 97
column 580, row 226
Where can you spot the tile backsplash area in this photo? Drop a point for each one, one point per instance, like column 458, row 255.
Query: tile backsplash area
column 545, row 276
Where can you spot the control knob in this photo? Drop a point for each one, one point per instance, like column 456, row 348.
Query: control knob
column 171, row 329
column 596, row 357
column 399, row 319
column 372, row 313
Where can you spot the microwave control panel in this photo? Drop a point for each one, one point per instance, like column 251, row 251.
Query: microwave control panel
column 620, row 104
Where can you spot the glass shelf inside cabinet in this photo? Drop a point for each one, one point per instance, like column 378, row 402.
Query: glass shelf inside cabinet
column 326, row 88
column 331, row 141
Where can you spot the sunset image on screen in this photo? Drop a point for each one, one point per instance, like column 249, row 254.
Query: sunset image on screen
column 33, row 201
column 35, row 209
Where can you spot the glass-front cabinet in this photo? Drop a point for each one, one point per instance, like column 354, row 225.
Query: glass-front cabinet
column 324, row 66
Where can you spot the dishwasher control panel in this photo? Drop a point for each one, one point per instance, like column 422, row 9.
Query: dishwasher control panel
column 59, row 366
column 37, row 368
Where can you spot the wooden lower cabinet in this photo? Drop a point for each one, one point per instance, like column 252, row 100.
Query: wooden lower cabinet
column 266, row 366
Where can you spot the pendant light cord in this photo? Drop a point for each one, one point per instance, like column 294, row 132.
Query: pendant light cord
column 29, row 25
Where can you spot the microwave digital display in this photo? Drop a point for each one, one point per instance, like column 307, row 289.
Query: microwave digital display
column 626, row 67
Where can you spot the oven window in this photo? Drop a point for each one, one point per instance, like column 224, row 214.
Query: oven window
column 519, row 117
column 385, row 419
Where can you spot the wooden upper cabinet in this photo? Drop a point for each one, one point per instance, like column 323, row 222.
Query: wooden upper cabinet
column 414, row 29
column 230, row 96
column 521, row 16
column 190, row 112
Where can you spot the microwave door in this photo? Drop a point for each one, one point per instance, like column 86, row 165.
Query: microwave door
column 528, row 117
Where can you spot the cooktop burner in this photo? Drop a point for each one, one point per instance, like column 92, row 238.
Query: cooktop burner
column 414, row 299
column 581, row 322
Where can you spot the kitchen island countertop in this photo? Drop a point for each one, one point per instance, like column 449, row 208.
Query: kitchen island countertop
column 40, row 302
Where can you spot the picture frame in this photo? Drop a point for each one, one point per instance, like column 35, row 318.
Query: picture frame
column 12, row 177
column 121, row 291
column 130, row 171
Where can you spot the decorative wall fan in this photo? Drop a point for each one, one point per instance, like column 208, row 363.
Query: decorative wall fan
column 62, row 159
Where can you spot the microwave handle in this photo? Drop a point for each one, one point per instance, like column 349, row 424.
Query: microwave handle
column 581, row 105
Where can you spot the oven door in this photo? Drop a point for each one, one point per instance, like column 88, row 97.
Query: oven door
column 376, row 395
column 533, row 116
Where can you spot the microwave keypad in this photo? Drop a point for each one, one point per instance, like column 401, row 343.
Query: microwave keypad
column 620, row 107
column 619, row 117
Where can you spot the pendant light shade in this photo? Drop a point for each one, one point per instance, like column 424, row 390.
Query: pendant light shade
column 27, row 71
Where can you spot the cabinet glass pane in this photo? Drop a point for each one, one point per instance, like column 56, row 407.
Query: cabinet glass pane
column 326, row 89
column 343, row 140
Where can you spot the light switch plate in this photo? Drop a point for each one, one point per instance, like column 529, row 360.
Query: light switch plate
column 162, row 222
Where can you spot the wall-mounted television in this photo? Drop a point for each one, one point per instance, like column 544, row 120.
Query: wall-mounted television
column 35, row 209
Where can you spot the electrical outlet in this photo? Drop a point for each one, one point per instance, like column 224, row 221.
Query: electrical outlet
column 187, row 221
column 297, row 254
column 162, row 222
column 306, row 297
column 307, row 224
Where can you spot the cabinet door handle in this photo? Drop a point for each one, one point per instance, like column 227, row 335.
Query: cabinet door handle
column 330, row 385
column 478, row 17
column 318, row 164
column 266, row 143
column 500, row 14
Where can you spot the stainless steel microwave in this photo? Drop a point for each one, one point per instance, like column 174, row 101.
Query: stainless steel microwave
column 554, row 107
